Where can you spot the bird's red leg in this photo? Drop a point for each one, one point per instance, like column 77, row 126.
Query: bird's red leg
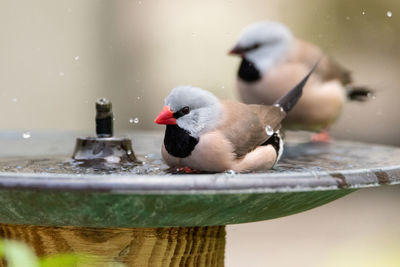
column 322, row 137
column 186, row 170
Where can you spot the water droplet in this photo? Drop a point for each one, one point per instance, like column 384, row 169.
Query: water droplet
column 279, row 106
column 102, row 100
column 389, row 14
column 230, row 172
column 134, row 120
column 14, row 100
column 76, row 58
column 61, row 73
column 269, row 130
column 26, row 135
column 363, row 13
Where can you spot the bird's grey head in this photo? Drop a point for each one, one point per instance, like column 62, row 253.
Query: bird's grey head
column 264, row 43
column 197, row 111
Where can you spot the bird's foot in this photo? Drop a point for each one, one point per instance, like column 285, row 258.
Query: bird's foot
column 322, row 137
column 186, row 170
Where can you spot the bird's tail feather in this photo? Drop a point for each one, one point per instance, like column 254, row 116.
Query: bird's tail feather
column 359, row 93
column 288, row 101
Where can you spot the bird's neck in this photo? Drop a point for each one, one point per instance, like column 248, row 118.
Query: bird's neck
column 178, row 142
column 266, row 57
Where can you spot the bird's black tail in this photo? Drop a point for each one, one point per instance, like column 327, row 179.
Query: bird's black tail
column 359, row 93
column 288, row 101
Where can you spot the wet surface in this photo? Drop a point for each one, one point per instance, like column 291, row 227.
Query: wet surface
column 298, row 157
column 63, row 165
column 40, row 184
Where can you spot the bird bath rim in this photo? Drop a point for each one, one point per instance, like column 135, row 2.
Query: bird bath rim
column 219, row 183
column 383, row 167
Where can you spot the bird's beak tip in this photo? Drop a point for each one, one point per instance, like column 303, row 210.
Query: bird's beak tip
column 236, row 51
column 166, row 116
column 232, row 53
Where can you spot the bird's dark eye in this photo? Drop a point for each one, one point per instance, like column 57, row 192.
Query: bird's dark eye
column 182, row 112
column 249, row 48
column 185, row 110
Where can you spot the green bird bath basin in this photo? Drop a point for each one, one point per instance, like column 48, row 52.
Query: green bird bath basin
column 147, row 215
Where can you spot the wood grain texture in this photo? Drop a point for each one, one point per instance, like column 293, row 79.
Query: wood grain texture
column 175, row 246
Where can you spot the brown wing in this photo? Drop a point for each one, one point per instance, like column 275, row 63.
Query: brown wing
column 328, row 69
column 331, row 70
column 245, row 125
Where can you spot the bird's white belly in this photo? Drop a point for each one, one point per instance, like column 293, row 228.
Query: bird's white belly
column 213, row 153
column 256, row 93
column 319, row 106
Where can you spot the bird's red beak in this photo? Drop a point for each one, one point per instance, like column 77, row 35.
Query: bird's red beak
column 236, row 50
column 166, row 116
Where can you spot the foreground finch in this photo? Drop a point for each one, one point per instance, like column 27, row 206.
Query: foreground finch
column 206, row 134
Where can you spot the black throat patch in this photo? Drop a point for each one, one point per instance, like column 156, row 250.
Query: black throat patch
column 178, row 141
column 248, row 72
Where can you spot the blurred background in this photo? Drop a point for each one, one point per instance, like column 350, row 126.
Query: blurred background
column 58, row 57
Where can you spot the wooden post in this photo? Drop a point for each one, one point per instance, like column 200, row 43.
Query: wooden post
column 174, row 246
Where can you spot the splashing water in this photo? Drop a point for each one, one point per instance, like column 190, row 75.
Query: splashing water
column 230, row 172
column 102, row 101
column 134, row 120
column 269, row 130
column 279, row 106
column 26, row 135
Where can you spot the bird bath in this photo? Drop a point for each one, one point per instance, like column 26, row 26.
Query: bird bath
column 142, row 214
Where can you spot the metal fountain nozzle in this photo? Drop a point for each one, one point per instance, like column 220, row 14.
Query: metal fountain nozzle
column 104, row 151
column 104, row 118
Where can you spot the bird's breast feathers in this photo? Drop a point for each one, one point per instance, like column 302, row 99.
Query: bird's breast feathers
column 178, row 142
